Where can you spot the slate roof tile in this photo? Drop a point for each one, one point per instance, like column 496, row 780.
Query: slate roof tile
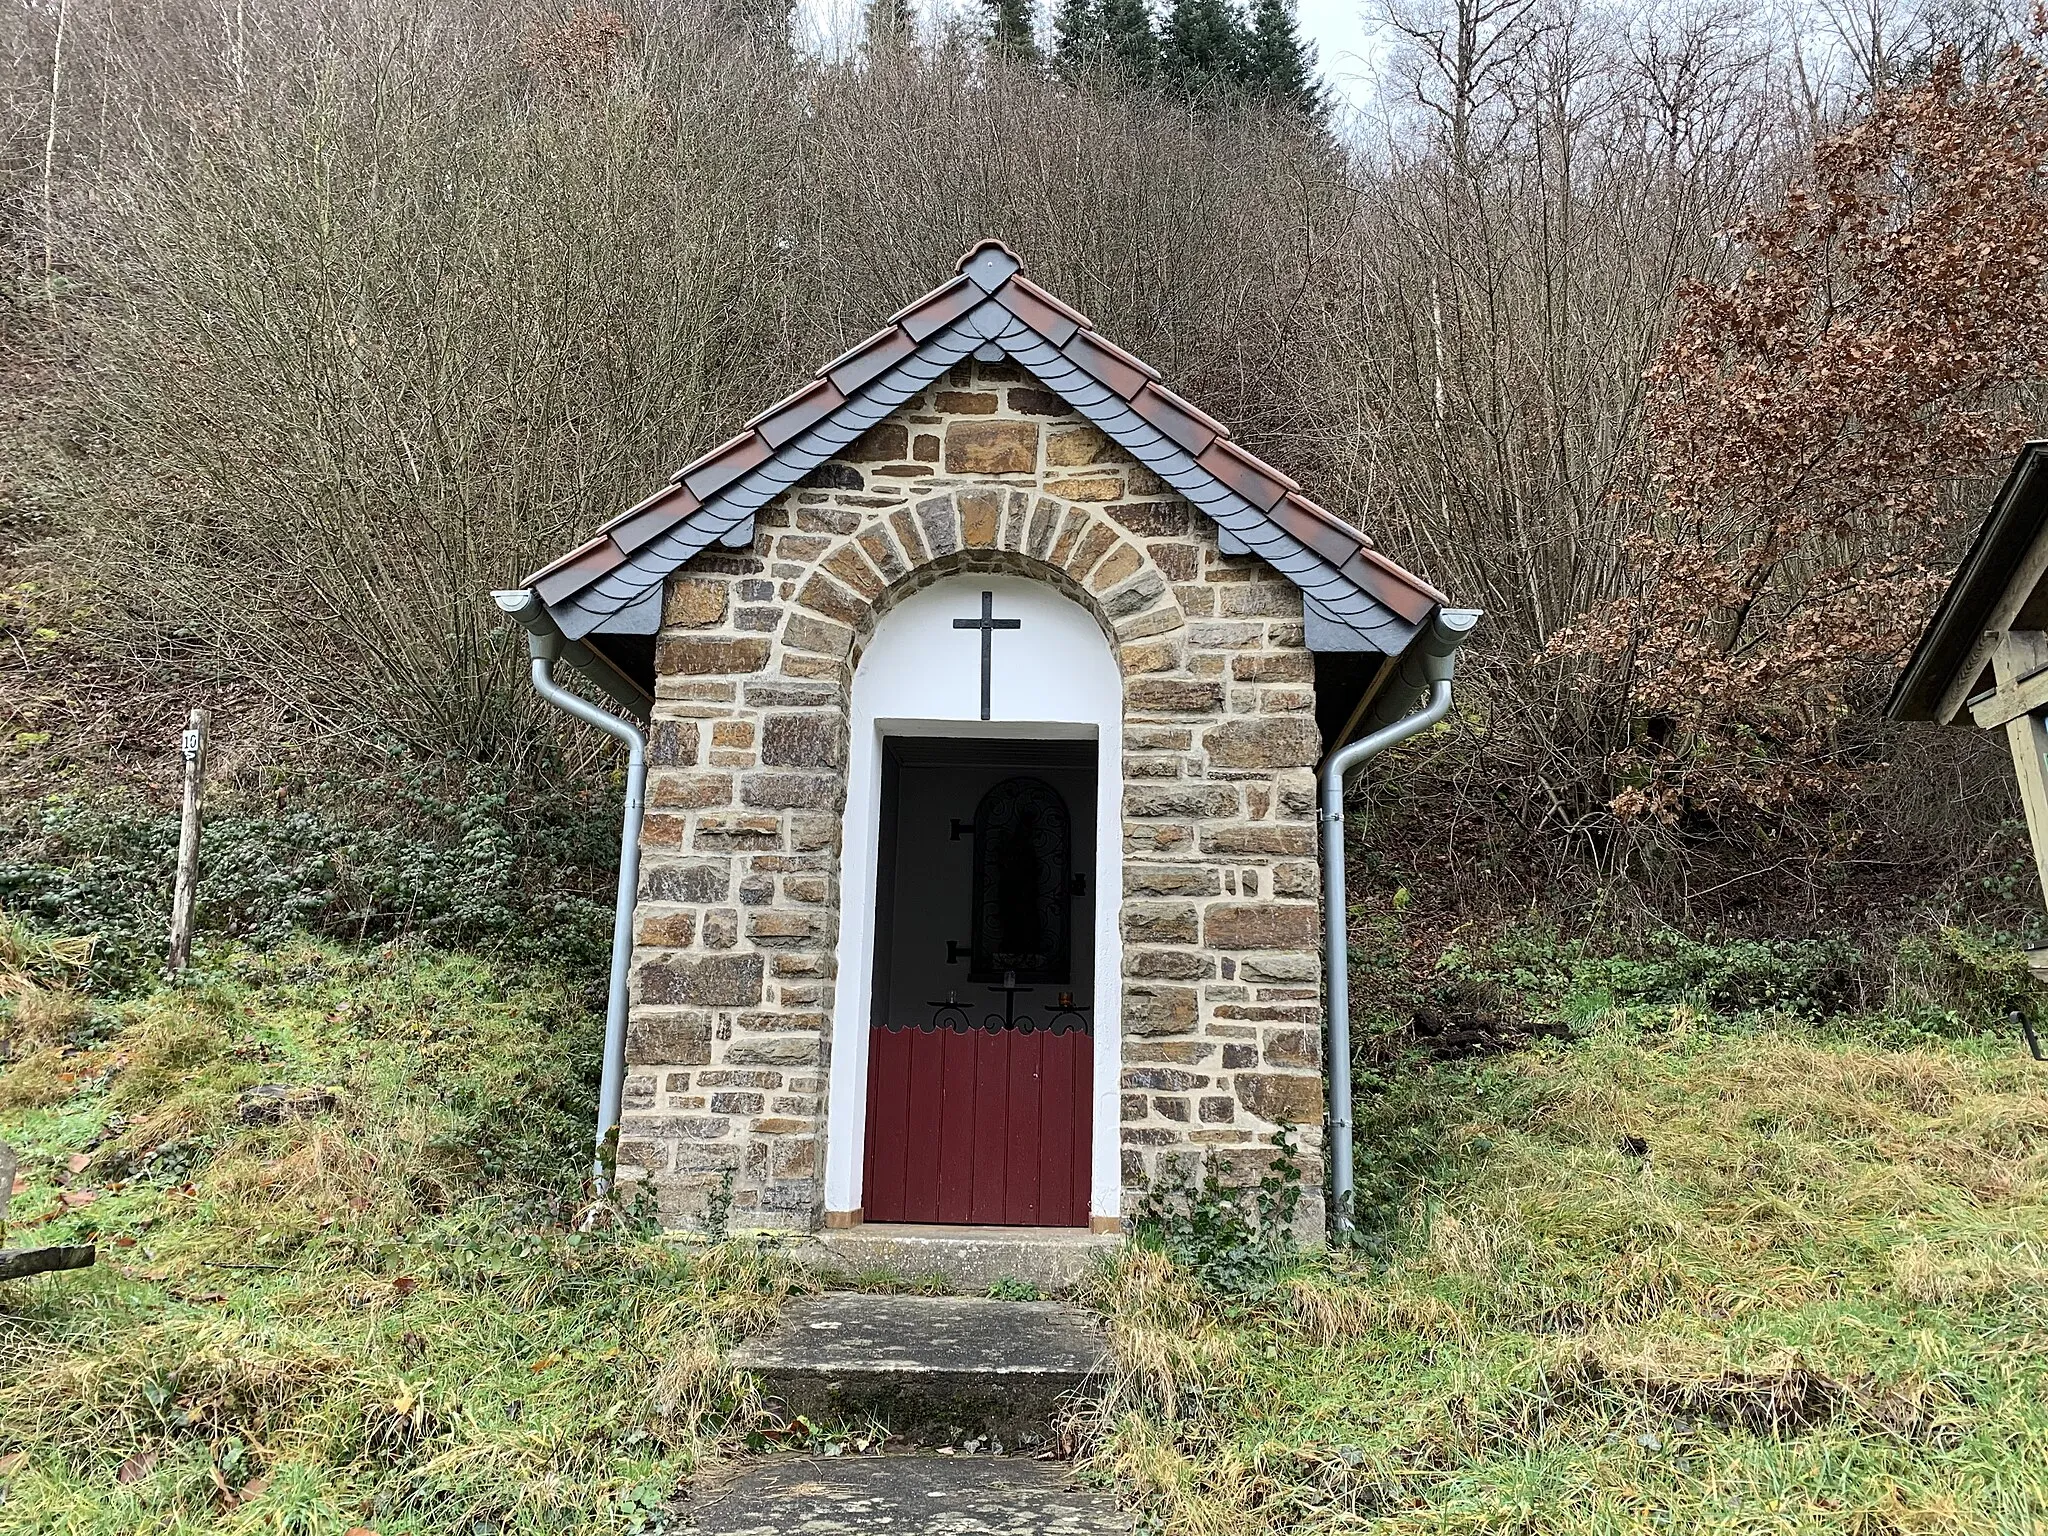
column 988, row 265
column 991, row 270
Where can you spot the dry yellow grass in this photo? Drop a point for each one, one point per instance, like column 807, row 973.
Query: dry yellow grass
column 1811, row 1303
column 373, row 1313
column 35, row 1081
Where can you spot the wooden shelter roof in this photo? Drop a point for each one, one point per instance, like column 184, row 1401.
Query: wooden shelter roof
column 1999, row 587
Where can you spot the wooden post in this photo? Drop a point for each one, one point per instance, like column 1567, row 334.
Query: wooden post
column 194, row 745
column 2017, row 656
column 2028, row 738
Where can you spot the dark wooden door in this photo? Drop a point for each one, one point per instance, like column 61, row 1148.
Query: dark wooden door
column 981, row 1064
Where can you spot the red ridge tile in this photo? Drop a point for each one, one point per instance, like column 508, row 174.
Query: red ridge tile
column 1251, row 479
column 1347, row 537
column 576, row 570
column 1111, row 365
column 1188, row 427
column 726, row 463
column 1399, row 588
column 1331, row 540
column 939, row 309
column 1019, row 300
column 1052, row 301
column 1129, row 359
column 790, row 418
column 870, row 360
column 950, row 285
column 653, row 517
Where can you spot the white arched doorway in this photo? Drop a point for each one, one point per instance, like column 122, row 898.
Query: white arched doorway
column 937, row 684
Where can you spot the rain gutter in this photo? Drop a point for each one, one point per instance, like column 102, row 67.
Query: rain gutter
column 546, row 646
column 1426, row 671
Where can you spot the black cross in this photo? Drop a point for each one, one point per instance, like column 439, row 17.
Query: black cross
column 988, row 624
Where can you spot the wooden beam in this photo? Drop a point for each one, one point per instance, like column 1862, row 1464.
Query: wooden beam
column 2017, row 657
column 18, row 1263
column 1950, row 704
column 2021, row 660
column 2028, row 574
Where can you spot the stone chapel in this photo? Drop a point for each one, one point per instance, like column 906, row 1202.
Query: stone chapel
column 981, row 687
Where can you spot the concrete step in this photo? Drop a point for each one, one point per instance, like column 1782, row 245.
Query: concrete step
column 921, row 1495
column 935, row 1370
column 968, row 1259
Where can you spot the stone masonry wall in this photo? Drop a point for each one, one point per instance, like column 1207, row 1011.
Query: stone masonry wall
column 728, row 1052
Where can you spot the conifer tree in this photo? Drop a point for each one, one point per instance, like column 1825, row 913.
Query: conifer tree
column 1203, row 49
column 1280, row 65
column 1076, row 38
column 1128, row 40
column 1011, row 29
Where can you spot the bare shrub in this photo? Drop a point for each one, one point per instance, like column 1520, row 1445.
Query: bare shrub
column 387, row 300
column 403, row 328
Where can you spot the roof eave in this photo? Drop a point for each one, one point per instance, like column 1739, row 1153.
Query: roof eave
column 526, row 608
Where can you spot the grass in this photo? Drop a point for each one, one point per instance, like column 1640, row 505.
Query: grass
column 1682, row 1273
column 1689, row 1268
column 375, row 1315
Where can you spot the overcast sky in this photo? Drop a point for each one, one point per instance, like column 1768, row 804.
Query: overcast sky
column 1343, row 39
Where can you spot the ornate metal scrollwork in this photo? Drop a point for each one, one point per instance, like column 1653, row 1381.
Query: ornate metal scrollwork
column 1066, row 1017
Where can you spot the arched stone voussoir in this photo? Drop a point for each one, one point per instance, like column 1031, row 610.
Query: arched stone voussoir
column 1073, row 547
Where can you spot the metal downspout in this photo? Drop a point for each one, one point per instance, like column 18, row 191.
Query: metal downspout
column 1436, row 665
column 612, row 1083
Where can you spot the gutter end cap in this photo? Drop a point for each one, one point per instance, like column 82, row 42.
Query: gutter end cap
column 1450, row 630
column 544, row 639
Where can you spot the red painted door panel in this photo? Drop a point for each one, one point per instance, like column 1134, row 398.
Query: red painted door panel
column 978, row 1128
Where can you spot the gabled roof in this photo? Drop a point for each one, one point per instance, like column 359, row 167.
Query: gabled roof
column 1992, row 591
column 1355, row 599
